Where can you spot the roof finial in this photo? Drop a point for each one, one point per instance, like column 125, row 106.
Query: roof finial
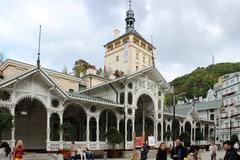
column 39, row 42
column 130, row 4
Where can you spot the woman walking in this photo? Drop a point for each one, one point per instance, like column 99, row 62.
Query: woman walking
column 18, row 151
column 162, row 153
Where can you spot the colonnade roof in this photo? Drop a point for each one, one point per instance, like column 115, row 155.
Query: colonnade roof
column 184, row 109
column 93, row 99
column 155, row 74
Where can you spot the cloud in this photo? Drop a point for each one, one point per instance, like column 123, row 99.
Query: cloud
column 186, row 34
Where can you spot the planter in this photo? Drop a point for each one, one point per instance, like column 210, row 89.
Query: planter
column 114, row 153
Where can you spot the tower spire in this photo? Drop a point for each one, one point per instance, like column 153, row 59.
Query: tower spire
column 39, row 42
column 129, row 18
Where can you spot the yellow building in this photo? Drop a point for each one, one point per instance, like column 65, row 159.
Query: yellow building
column 129, row 52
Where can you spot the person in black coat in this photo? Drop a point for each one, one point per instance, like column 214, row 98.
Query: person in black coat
column 231, row 153
column 178, row 151
column 162, row 153
column 144, row 152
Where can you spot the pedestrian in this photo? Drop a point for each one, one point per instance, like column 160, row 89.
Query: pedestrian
column 192, row 153
column 162, row 153
column 90, row 155
column 5, row 151
column 144, row 152
column 18, row 151
column 213, row 151
column 231, row 153
column 73, row 151
column 178, row 151
column 81, row 153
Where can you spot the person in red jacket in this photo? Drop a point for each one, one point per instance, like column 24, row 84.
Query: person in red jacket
column 18, row 151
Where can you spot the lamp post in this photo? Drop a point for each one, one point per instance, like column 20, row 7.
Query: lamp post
column 174, row 105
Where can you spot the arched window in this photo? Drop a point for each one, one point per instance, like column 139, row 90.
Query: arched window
column 122, row 98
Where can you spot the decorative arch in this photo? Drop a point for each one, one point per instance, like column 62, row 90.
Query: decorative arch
column 76, row 116
column 144, row 92
column 107, row 119
column 29, row 96
column 66, row 105
column 31, row 121
column 143, row 115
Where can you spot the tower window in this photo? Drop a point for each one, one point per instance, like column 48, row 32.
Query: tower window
column 144, row 59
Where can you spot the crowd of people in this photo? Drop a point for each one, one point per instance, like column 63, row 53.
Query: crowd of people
column 178, row 152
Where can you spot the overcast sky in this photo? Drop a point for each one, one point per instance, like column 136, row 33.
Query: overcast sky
column 186, row 33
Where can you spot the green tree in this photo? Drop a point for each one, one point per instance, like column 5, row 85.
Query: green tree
column 80, row 67
column 6, row 123
column 67, row 131
column 114, row 137
column 199, row 81
column 185, row 137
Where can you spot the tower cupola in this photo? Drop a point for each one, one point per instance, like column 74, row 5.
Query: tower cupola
column 129, row 18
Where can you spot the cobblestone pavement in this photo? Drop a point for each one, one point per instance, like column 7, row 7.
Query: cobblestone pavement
column 37, row 156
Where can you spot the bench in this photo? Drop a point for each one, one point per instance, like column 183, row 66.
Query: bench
column 99, row 153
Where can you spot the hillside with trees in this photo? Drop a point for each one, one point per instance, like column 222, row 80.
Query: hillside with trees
column 198, row 82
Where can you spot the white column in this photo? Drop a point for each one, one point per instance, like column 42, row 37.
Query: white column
column 180, row 128
column 61, row 122
column 162, row 103
column 48, row 130
column 204, row 131
column 126, row 132
column 194, row 132
column 118, row 120
column 13, row 128
column 61, row 133
column 48, row 125
column 88, row 130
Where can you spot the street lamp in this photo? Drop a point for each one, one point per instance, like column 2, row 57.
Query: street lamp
column 174, row 105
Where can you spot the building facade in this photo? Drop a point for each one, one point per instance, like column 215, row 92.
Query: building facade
column 41, row 100
column 228, row 90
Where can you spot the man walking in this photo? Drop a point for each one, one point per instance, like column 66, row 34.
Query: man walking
column 231, row 153
column 178, row 151
column 213, row 151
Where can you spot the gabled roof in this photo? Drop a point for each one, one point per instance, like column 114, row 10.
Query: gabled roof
column 30, row 72
column 156, row 75
column 184, row 109
column 55, row 86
